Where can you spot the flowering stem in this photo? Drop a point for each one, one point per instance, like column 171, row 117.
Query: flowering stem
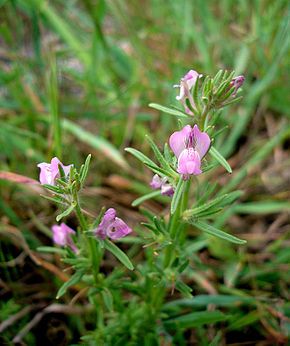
column 80, row 216
column 203, row 116
column 92, row 244
column 174, row 225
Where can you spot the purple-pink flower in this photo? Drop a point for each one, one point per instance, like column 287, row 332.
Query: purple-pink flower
column 161, row 183
column 189, row 146
column 186, row 84
column 62, row 235
column 49, row 172
column 237, row 82
column 112, row 226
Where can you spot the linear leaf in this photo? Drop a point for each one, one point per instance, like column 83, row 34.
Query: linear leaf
column 117, row 252
column 140, row 156
column 145, row 198
column 72, row 281
column 168, row 110
column 218, row 233
column 65, row 213
column 195, row 319
column 85, row 168
column 218, row 156
column 218, row 202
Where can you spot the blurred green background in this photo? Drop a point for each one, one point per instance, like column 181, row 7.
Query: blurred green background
column 76, row 77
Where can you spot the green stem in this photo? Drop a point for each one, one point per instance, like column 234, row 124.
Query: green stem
column 174, row 226
column 91, row 242
column 204, row 115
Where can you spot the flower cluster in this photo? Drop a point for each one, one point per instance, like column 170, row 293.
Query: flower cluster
column 188, row 82
column 110, row 226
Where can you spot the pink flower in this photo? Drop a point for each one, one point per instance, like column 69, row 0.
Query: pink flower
column 186, row 84
column 49, row 172
column 62, row 235
column 161, row 183
column 112, row 226
column 237, row 82
column 189, row 146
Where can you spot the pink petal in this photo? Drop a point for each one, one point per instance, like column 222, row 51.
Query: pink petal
column 107, row 220
column 54, row 168
column 202, row 141
column 66, row 229
column 186, row 84
column 178, row 139
column 191, row 78
column 45, row 173
column 167, row 190
column 189, row 162
column 156, row 182
column 118, row 229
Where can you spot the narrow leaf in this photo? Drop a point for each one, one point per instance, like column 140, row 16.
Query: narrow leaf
column 84, row 169
column 117, row 252
column 168, row 110
column 218, row 233
column 65, row 213
column 158, row 155
column 50, row 249
column 195, row 319
column 72, row 281
column 145, row 198
column 218, row 202
column 218, row 156
column 140, row 156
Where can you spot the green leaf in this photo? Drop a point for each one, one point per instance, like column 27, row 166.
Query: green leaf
column 52, row 188
column 65, row 213
column 108, row 299
column 177, row 194
column 50, row 249
column 213, row 205
column 218, row 156
column 145, row 198
column 264, row 207
column 55, row 199
column 162, row 172
column 159, row 156
column 85, row 168
column 72, row 281
column 117, row 252
column 140, row 156
column 168, row 110
column 201, row 300
column 217, row 233
column 183, row 288
column 195, row 319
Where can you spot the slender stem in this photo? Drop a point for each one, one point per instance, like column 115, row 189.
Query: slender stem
column 174, row 226
column 203, row 116
column 80, row 216
column 92, row 244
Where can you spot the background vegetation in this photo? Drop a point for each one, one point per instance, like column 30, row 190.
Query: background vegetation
column 76, row 77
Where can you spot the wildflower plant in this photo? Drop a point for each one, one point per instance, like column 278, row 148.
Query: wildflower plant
column 189, row 153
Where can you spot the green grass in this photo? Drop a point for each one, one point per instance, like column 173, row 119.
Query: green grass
column 76, row 77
